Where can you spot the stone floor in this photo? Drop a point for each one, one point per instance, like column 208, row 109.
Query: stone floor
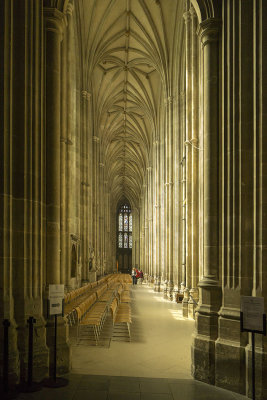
column 155, row 365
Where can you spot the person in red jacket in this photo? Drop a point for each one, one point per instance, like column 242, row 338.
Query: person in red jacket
column 141, row 276
column 137, row 275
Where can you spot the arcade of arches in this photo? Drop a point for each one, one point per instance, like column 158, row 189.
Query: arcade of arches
column 156, row 104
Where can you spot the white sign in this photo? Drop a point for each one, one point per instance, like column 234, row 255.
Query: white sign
column 253, row 310
column 56, row 294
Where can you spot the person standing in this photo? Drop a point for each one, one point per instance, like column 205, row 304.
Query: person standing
column 141, row 276
column 133, row 275
column 137, row 276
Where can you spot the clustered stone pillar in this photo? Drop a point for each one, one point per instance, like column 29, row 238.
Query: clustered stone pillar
column 210, row 289
column 193, row 291
column 55, row 24
column 96, row 156
column 188, row 161
column 150, row 223
column 85, row 185
column 190, row 166
column 156, row 216
column 54, row 35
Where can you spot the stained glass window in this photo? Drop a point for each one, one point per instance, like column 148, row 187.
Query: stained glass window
column 125, row 225
column 120, row 222
column 125, row 240
column 125, row 222
column 120, row 240
column 130, row 222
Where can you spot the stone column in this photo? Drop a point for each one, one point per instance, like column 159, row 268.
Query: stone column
column 150, row 223
column 203, row 367
column 193, row 292
column 101, row 216
column 63, row 158
column 188, row 160
column 176, row 195
column 162, row 181
column 169, row 196
column 96, row 144
column 71, row 143
column 54, row 24
column 182, row 240
column 157, row 216
column 54, row 32
column 88, row 185
column 84, row 187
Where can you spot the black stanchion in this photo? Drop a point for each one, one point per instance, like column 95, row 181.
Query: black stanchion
column 54, row 381
column 5, row 391
column 262, row 332
column 30, row 386
column 253, row 365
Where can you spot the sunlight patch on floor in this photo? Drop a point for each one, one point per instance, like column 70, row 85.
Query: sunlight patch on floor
column 177, row 314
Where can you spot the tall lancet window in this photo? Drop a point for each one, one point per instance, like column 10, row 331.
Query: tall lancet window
column 125, row 227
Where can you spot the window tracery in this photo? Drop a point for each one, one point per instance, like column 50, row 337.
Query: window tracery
column 125, row 227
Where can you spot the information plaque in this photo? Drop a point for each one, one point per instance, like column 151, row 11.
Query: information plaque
column 55, row 296
column 253, row 311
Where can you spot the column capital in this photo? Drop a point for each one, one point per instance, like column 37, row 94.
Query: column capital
column 187, row 16
column 96, row 139
column 209, row 30
column 55, row 20
column 168, row 100
column 86, row 95
column 70, row 8
column 192, row 12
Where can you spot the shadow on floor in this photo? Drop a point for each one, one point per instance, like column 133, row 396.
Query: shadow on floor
column 102, row 387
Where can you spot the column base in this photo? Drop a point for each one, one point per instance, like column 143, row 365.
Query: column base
column 170, row 288
column 157, row 284
column 151, row 281
column 175, row 294
column 203, row 349
column 230, row 366
column 192, row 303
column 185, row 303
column 203, row 359
column 63, row 347
column 165, row 290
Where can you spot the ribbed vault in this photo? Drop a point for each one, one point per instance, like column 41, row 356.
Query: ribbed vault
column 126, row 58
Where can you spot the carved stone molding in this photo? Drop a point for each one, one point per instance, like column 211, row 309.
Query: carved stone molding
column 74, row 237
column 187, row 16
column 55, row 21
column 209, row 30
column 96, row 139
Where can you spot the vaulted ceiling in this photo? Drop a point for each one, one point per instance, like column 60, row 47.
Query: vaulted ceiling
column 127, row 51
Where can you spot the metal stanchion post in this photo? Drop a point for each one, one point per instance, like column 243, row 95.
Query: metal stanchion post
column 55, row 382
column 6, row 324
column 30, row 386
column 5, row 391
column 253, row 365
